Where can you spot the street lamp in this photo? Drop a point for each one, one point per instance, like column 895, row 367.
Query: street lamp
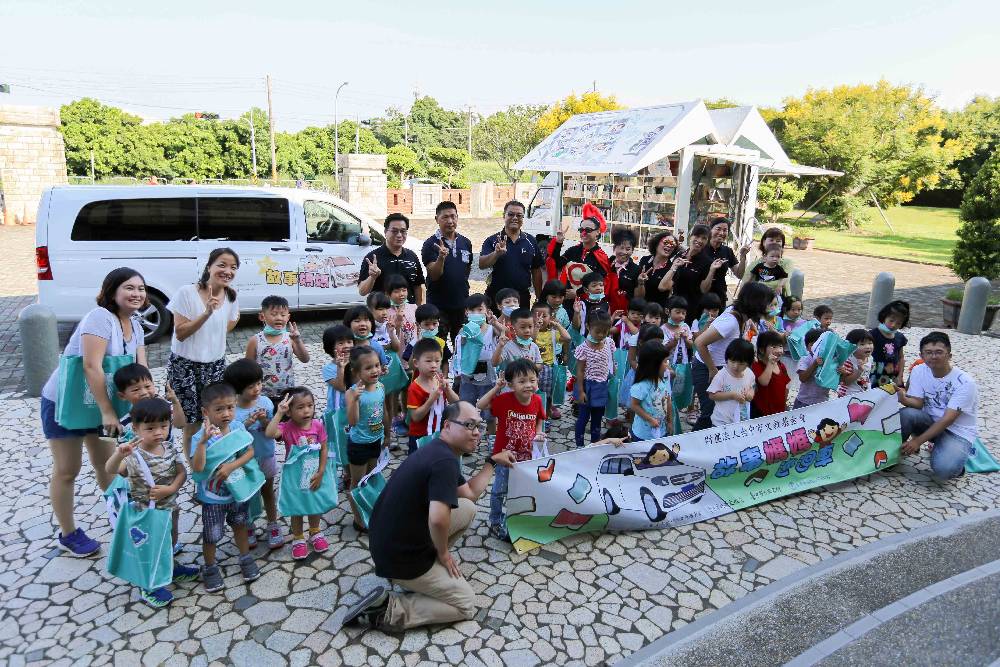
column 336, row 135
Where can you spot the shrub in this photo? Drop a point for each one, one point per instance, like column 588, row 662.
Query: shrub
column 977, row 252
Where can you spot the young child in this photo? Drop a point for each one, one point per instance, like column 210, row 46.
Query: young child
column 387, row 333
column 650, row 393
column 626, row 327
column 554, row 294
column 675, row 329
column 887, row 354
column 810, row 393
column 711, row 306
column 592, row 299
column 824, row 315
column 218, row 507
column 274, row 347
column 520, row 419
column 134, row 383
column 522, row 344
column 653, row 314
column 361, row 322
column 428, row 389
column 771, row 321
column 402, row 314
column 302, row 429
column 548, row 334
column 338, row 341
column 365, row 401
column 856, row 372
column 508, row 301
column 428, row 326
column 791, row 313
column 255, row 411
column 150, row 418
column 594, row 367
column 732, row 388
column 769, row 271
column 771, row 395
column 482, row 330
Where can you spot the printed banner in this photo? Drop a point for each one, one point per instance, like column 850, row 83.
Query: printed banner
column 678, row 480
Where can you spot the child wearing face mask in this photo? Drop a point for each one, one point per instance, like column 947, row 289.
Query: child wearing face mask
column 594, row 367
column 508, row 300
column 428, row 326
column 476, row 343
column 274, row 347
column 522, row 345
column 887, row 354
column 675, row 329
column 711, row 306
column 771, row 321
column 855, row 373
column 592, row 300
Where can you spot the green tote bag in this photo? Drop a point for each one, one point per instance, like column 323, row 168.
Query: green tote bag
column 242, row 482
column 75, row 404
column 295, row 497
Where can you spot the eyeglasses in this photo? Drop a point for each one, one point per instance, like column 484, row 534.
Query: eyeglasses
column 396, row 230
column 514, row 216
column 472, row 425
column 934, row 353
column 587, row 230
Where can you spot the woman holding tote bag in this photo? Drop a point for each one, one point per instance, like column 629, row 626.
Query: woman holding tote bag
column 79, row 402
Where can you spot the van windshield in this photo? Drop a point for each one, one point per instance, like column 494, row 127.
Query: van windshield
column 328, row 223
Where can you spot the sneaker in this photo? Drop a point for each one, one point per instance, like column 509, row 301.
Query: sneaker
column 555, row 413
column 399, row 426
column 275, row 536
column 184, row 573
column 211, row 578
column 178, row 548
column 249, row 568
column 161, row 597
column 251, row 537
column 299, row 549
column 370, row 609
column 500, row 533
column 319, row 543
column 79, row 544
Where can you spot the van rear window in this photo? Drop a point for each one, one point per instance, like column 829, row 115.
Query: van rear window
column 136, row 220
column 243, row 218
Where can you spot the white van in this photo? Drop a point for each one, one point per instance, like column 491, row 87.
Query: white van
column 304, row 245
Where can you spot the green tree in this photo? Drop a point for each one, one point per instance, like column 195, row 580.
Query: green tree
column 977, row 252
column 402, row 164
column 886, row 139
column 121, row 145
column 778, row 196
column 191, row 148
column 508, row 135
column 572, row 105
column 977, row 128
column 446, row 163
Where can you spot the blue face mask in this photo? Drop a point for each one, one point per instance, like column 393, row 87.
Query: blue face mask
column 271, row 331
column 593, row 340
column 357, row 337
column 507, row 310
column 428, row 334
column 595, row 296
column 523, row 341
column 676, row 323
column 774, row 312
column 884, row 329
column 477, row 318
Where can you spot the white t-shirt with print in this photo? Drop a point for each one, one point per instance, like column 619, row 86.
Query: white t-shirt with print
column 730, row 412
column 956, row 390
column 208, row 343
column 729, row 328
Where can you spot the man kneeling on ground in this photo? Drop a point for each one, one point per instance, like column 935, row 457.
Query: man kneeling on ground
column 424, row 508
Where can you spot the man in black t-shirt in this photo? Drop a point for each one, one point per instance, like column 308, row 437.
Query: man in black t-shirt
column 424, row 507
column 392, row 258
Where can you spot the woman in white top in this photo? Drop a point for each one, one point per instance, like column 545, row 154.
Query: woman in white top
column 738, row 321
column 203, row 314
column 109, row 329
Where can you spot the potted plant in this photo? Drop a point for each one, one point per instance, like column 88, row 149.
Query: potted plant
column 803, row 242
column 977, row 252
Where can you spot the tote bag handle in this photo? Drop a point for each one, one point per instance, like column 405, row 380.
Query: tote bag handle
column 146, row 474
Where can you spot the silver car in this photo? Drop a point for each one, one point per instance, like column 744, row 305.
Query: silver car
column 625, row 483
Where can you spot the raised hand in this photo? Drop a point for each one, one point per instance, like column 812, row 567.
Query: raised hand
column 285, row 405
column 680, row 261
column 617, row 315
column 400, row 318
column 168, row 393
column 717, row 264
column 501, row 245
column 578, row 306
column 745, row 250
column 126, row 448
column 212, row 431
column 373, row 270
column 644, row 275
column 293, row 330
column 212, row 303
column 442, row 250
column 501, row 382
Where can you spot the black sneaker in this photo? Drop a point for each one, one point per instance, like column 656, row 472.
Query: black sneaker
column 500, row 533
column 370, row 609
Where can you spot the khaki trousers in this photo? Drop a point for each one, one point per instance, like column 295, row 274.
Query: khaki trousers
column 437, row 597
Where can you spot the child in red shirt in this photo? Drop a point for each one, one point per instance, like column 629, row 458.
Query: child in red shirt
column 771, row 396
column 520, row 416
column 426, row 395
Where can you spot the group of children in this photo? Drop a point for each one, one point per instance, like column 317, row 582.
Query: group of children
column 391, row 372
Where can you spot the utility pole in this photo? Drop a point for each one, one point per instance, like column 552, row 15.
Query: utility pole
column 336, row 134
column 406, row 130
column 595, row 85
column 253, row 146
column 357, row 132
column 470, row 128
column 270, row 122
column 93, row 178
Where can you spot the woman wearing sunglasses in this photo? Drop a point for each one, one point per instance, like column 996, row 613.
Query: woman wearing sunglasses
column 579, row 260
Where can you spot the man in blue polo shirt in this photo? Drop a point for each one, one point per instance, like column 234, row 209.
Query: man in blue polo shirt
column 447, row 255
column 514, row 257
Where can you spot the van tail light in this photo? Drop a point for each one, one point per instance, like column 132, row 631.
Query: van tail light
column 42, row 261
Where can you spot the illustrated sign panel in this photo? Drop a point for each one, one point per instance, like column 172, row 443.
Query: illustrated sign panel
column 679, row 480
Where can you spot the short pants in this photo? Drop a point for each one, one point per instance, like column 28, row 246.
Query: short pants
column 360, row 453
column 215, row 517
column 269, row 466
column 187, row 379
column 51, row 428
column 471, row 393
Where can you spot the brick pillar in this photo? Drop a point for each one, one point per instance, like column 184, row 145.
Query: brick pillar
column 32, row 158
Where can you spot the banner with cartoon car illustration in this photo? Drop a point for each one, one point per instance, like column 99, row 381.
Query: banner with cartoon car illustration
column 682, row 479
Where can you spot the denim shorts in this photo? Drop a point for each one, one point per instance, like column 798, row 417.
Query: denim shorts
column 51, row 428
column 215, row 517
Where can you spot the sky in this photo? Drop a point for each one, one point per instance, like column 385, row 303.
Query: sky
column 160, row 60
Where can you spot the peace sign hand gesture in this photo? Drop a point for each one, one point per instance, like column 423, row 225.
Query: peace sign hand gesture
column 643, row 276
column 442, row 250
column 285, row 405
column 373, row 270
column 501, row 246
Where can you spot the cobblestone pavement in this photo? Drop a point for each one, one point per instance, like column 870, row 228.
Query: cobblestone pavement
column 584, row 600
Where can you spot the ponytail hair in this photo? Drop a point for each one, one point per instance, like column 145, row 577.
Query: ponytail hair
column 212, row 256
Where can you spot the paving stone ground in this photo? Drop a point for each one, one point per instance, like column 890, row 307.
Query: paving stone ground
column 587, row 600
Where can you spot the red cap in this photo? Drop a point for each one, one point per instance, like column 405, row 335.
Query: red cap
column 591, row 211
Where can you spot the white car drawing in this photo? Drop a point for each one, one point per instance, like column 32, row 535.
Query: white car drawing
column 656, row 489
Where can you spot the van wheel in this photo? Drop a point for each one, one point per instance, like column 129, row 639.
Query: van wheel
column 609, row 503
column 155, row 318
column 652, row 508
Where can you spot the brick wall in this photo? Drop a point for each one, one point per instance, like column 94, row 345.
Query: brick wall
column 461, row 198
column 501, row 195
column 399, row 201
column 32, row 158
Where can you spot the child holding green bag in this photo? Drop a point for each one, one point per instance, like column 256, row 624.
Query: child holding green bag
column 151, row 425
column 218, row 506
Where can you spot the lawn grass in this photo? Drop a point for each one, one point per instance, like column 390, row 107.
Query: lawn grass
column 922, row 234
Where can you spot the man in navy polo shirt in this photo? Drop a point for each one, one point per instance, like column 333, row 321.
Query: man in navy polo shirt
column 514, row 257
column 448, row 258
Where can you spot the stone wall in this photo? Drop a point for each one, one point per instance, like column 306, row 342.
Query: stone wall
column 399, row 200
column 363, row 183
column 461, row 198
column 32, row 158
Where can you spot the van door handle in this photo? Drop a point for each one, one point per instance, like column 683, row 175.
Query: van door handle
column 313, row 249
column 281, row 248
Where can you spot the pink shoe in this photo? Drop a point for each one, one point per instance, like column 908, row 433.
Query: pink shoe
column 319, row 543
column 299, row 549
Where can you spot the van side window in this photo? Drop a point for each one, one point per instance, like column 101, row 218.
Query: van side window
column 136, row 220
column 243, row 218
column 328, row 223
